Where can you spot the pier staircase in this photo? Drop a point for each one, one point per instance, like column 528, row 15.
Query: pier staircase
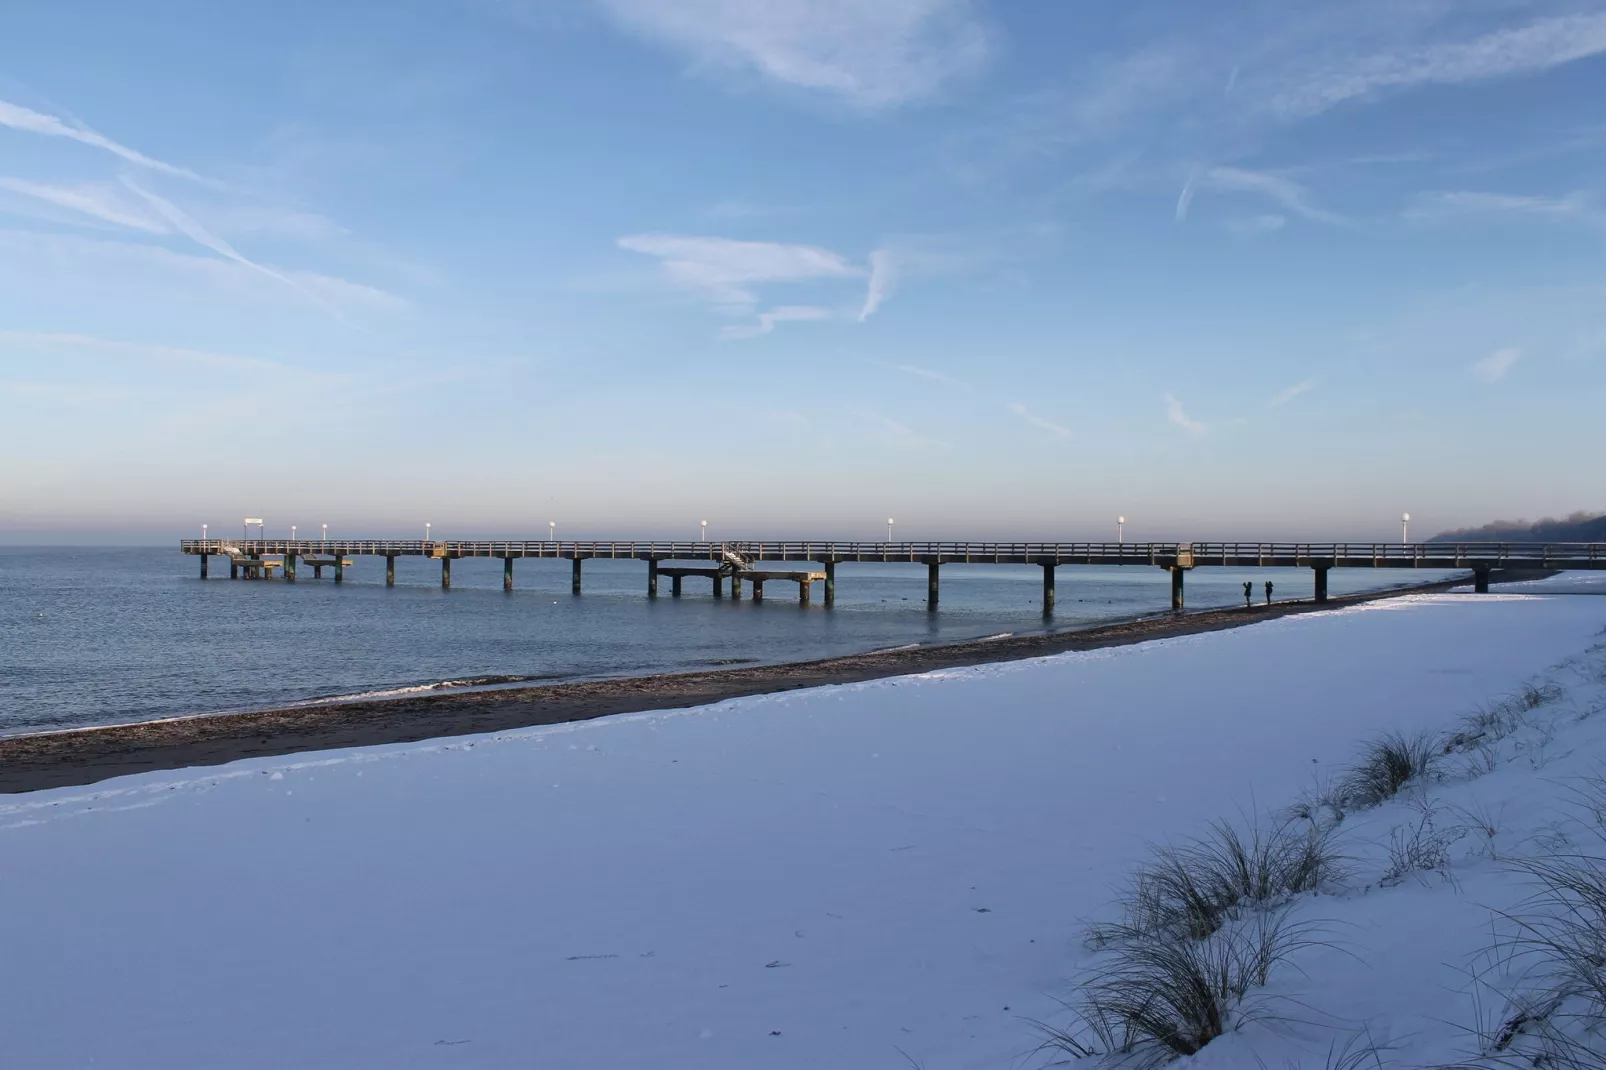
column 736, row 557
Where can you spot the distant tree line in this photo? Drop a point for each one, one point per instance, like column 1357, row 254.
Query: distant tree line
column 1579, row 527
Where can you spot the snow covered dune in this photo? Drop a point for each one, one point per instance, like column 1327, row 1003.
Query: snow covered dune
column 820, row 880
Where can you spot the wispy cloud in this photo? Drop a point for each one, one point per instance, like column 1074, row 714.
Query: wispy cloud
column 883, row 275
column 1185, row 198
column 724, row 270
column 19, row 118
column 146, row 273
column 873, row 55
column 1459, row 204
column 1537, row 46
column 1174, row 413
column 1057, row 430
column 926, row 373
column 1256, row 225
column 185, row 225
column 1286, row 192
column 916, row 256
column 1495, row 366
column 894, row 432
column 768, row 319
column 97, row 200
column 1283, row 397
column 61, row 345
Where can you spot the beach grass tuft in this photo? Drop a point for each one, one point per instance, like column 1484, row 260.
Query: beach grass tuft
column 1388, row 764
column 1159, row 997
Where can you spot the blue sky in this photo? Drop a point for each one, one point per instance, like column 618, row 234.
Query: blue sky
column 1248, row 269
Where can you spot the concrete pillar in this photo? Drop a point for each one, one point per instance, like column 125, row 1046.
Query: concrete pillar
column 203, row 566
column 1176, row 588
column 1480, row 580
column 1048, row 588
column 574, row 587
column 931, row 586
column 719, row 586
column 507, row 573
column 830, row 584
column 1321, row 582
column 674, row 586
column 652, row 578
column 736, row 585
column 446, row 573
column 234, row 569
column 317, row 572
column 340, row 568
column 390, row 570
column 804, row 590
column 289, row 568
column 758, row 589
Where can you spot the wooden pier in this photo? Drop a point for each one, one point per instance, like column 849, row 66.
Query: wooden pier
column 740, row 562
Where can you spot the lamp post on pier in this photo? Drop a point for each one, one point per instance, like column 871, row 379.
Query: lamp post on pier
column 426, row 531
column 292, row 533
column 889, row 529
column 705, row 531
column 1120, row 530
column 203, row 532
column 552, row 531
column 326, row 533
column 1405, row 529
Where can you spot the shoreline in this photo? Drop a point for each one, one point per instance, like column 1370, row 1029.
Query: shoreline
column 81, row 756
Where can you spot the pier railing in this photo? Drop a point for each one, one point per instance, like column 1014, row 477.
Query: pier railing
column 1165, row 554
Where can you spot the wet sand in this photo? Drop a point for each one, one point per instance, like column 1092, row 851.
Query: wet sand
column 85, row 756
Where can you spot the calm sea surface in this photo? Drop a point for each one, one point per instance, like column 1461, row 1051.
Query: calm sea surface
column 98, row 636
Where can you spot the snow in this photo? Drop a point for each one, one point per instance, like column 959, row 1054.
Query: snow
column 821, row 879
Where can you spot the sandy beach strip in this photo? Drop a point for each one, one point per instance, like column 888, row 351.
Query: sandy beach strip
column 86, row 756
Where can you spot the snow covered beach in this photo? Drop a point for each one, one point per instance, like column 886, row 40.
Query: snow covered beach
column 839, row 877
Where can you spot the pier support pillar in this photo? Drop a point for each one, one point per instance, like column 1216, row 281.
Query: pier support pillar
column 203, row 566
column 736, row 586
column 446, row 573
column 507, row 573
column 652, row 578
column 289, row 568
column 931, row 586
column 1321, row 582
column 340, row 568
column 574, row 586
column 758, row 590
column 805, row 590
column 1048, row 588
column 1480, row 580
column 317, row 572
column 674, row 586
column 390, row 570
column 234, row 569
column 830, row 584
column 1176, row 588
column 719, row 586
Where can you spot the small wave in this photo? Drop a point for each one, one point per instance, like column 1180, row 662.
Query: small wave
column 994, row 638
column 895, row 649
column 731, row 661
column 438, row 685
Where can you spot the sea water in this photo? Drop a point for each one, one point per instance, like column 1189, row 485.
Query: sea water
column 100, row 636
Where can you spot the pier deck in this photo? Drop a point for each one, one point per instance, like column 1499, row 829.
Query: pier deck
column 1479, row 557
